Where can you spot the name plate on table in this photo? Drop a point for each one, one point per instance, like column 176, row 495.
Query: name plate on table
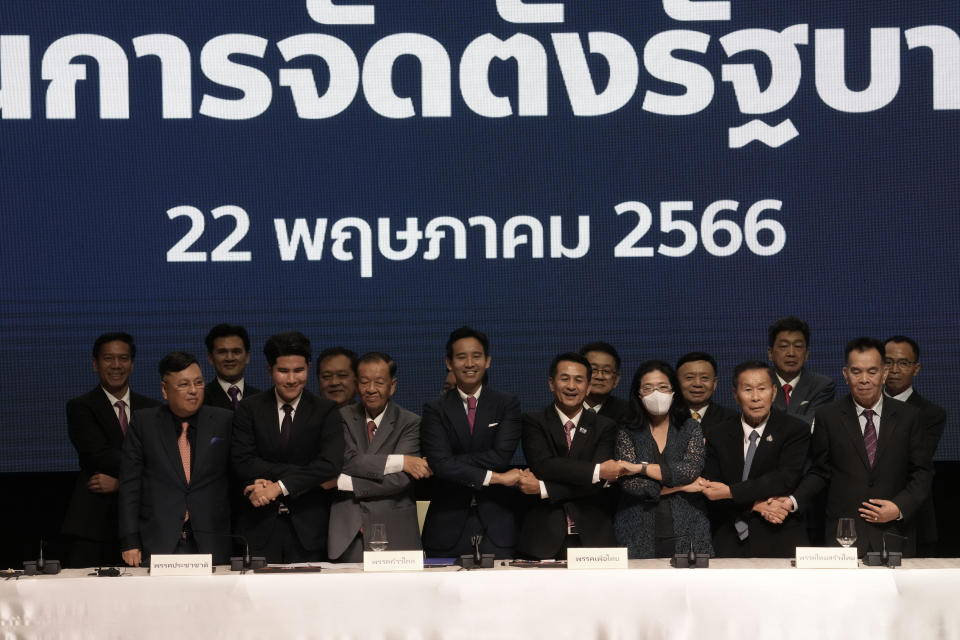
column 192, row 564
column 597, row 558
column 826, row 557
column 393, row 560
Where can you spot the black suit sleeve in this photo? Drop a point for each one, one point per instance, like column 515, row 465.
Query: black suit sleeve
column 326, row 464
column 131, row 480
column 782, row 480
column 920, row 471
column 96, row 453
column 565, row 478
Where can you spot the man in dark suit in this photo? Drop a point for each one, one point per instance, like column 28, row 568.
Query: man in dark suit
column 751, row 458
column 902, row 357
column 605, row 375
column 570, row 451
column 97, row 422
column 174, row 486
column 697, row 372
column 869, row 453
column 468, row 436
column 287, row 443
column 228, row 350
column 381, row 457
column 800, row 391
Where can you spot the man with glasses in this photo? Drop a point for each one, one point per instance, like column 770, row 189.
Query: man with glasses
column 697, row 372
column 903, row 361
column 174, row 476
column 605, row 374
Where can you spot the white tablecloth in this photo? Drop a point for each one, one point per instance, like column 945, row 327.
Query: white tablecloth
column 735, row 599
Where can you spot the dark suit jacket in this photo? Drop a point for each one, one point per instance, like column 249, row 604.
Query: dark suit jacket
column 460, row 462
column 313, row 455
column 902, row 470
column 933, row 418
column 812, row 392
column 776, row 470
column 716, row 414
column 568, row 477
column 376, row 498
column 154, row 494
column 615, row 409
column 97, row 437
column 215, row 396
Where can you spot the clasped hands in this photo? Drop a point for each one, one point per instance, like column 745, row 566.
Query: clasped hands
column 262, row 492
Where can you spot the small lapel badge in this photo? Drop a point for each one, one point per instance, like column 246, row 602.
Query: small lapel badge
column 769, row 438
column 581, row 430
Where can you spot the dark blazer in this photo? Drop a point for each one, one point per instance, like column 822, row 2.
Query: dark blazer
column 812, row 392
column 716, row 414
column 933, row 418
column 615, row 409
column 460, row 462
column 154, row 494
column 902, row 470
column 215, row 396
column 313, row 455
column 95, row 433
column 376, row 498
column 776, row 471
column 568, row 477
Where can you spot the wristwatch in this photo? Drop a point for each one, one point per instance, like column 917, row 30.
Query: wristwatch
column 643, row 468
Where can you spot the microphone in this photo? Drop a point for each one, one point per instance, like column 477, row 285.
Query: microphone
column 476, row 560
column 691, row 559
column 883, row 558
column 41, row 565
column 239, row 563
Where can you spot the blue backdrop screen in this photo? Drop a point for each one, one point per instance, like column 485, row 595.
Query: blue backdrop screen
column 667, row 176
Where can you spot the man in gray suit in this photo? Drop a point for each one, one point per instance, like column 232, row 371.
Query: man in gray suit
column 382, row 449
column 800, row 392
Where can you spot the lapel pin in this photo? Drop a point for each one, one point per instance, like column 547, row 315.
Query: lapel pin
column 769, row 438
column 581, row 430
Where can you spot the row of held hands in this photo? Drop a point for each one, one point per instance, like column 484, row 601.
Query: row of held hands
column 262, row 492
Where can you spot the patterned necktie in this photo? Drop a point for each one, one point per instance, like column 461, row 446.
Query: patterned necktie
column 569, row 427
column 371, row 429
column 122, row 415
column 234, row 393
column 471, row 411
column 870, row 436
column 287, row 425
column 184, row 445
column 786, row 394
column 743, row 529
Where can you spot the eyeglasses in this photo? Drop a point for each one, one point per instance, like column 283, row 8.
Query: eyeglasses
column 902, row 364
column 186, row 384
column 647, row 389
column 604, row 372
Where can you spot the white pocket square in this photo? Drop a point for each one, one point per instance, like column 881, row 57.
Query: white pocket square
column 492, row 425
column 804, row 402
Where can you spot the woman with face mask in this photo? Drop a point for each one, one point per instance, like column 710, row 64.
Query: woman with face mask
column 661, row 510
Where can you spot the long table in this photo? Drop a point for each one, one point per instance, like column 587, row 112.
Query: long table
column 735, row 599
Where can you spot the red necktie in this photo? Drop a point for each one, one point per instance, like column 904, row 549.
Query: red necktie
column 371, row 429
column 870, row 436
column 471, row 411
column 569, row 427
column 122, row 415
column 184, row 445
column 786, row 394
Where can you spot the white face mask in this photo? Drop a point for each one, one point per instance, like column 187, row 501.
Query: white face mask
column 658, row 403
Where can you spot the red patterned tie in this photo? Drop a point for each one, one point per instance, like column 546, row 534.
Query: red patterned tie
column 371, row 429
column 122, row 415
column 471, row 411
column 786, row 394
column 568, row 428
column 870, row 436
column 184, row 445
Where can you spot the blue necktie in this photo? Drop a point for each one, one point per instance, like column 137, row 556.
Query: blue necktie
column 742, row 529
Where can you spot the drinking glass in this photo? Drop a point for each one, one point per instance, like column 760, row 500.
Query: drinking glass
column 846, row 531
column 378, row 537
